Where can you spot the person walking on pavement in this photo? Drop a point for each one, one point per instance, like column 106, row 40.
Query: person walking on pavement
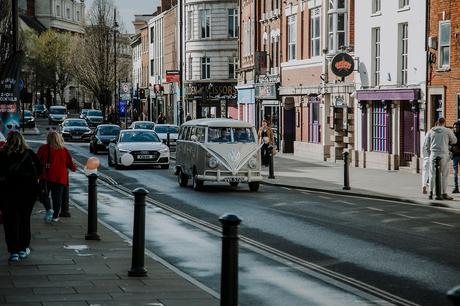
column 426, row 172
column 437, row 144
column 57, row 160
column 161, row 119
column 456, row 155
column 266, row 138
column 19, row 172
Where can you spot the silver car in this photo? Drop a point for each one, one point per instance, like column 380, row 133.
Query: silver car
column 141, row 147
column 163, row 130
column 218, row 150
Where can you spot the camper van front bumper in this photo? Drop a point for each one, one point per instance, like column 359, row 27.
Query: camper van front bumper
column 229, row 177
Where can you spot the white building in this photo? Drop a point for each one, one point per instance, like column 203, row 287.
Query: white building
column 390, row 83
column 211, row 45
column 136, row 49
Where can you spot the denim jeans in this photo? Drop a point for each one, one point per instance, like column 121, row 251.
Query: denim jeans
column 456, row 161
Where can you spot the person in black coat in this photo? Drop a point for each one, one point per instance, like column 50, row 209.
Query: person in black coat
column 19, row 172
column 455, row 149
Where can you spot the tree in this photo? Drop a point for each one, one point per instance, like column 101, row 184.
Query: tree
column 49, row 55
column 6, row 30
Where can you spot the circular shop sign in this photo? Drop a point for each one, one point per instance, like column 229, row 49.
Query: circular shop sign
column 342, row 65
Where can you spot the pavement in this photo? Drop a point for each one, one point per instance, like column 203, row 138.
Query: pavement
column 65, row 269
column 296, row 172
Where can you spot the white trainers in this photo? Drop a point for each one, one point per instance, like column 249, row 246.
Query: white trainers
column 49, row 215
column 55, row 220
column 24, row 254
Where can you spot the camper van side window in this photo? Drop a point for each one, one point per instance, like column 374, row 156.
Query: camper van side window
column 200, row 134
column 193, row 132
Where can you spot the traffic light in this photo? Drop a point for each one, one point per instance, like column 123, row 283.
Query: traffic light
column 142, row 93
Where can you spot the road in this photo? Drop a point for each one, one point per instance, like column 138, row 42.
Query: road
column 356, row 246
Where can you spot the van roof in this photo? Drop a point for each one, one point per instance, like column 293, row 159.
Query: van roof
column 57, row 106
column 218, row 122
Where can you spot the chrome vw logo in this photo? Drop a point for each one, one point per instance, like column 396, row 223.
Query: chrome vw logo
column 234, row 155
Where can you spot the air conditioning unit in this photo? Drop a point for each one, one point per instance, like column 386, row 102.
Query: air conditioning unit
column 433, row 42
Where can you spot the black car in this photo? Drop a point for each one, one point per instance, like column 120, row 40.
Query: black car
column 94, row 117
column 103, row 135
column 40, row 110
column 75, row 129
column 28, row 120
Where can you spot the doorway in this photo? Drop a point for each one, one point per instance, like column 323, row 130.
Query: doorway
column 408, row 134
column 289, row 126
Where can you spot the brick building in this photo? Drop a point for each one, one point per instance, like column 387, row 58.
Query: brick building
column 443, row 90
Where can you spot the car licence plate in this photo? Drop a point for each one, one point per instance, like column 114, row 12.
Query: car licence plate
column 145, row 157
column 234, row 179
column 76, row 137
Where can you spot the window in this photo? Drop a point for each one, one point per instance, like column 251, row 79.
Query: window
column 444, row 44
column 376, row 55
column 315, row 32
column 314, row 123
column 292, row 37
column 78, row 15
column 58, row 10
column 404, row 52
column 190, row 25
column 205, row 68
column 376, row 6
column 379, row 127
column 152, row 35
column 403, row 3
column 337, row 15
column 232, row 67
column 67, row 13
column 205, row 21
column 233, row 23
column 152, row 67
column 189, row 68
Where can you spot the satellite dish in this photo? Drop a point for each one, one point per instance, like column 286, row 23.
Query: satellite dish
column 127, row 160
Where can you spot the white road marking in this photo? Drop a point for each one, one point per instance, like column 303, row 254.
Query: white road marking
column 286, row 188
column 405, row 216
column 279, row 204
column 443, row 224
column 306, row 193
column 324, row 197
column 373, row 208
column 346, row 202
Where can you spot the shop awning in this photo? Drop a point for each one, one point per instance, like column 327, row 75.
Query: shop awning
column 388, row 94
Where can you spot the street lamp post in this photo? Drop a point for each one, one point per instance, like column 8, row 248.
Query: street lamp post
column 115, row 30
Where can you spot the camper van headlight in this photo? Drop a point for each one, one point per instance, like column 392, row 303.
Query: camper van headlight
column 213, row 163
column 252, row 163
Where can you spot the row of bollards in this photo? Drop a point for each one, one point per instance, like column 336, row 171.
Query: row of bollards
column 230, row 224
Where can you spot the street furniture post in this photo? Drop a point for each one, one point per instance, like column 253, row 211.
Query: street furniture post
column 346, row 171
column 137, row 262
column 271, row 170
column 92, row 208
column 437, row 166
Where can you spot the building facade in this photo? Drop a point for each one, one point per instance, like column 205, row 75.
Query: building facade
column 443, row 91
column 317, row 105
column 391, row 83
column 210, row 58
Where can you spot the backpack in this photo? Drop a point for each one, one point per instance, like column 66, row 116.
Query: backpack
column 24, row 168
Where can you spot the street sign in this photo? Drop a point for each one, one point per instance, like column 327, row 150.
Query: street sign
column 172, row 76
column 125, row 88
column 122, row 108
column 125, row 97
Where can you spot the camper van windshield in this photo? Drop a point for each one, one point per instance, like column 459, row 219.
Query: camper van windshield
column 230, row 135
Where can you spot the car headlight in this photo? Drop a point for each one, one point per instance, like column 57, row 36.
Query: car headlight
column 32, row 119
column 88, row 132
column 124, row 151
column 213, row 163
column 164, row 150
column 65, row 132
column 99, row 141
column 252, row 163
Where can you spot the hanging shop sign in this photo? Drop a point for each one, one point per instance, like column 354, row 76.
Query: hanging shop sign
column 266, row 91
column 342, row 65
column 211, row 90
column 172, row 76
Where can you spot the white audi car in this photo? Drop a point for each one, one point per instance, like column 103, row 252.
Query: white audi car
column 141, row 147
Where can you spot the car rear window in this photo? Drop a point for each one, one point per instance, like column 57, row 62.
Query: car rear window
column 163, row 129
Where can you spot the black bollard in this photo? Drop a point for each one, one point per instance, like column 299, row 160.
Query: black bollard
column 229, row 275
column 92, row 208
column 168, row 139
column 454, row 295
column 137, row 263
column 65, row 210
column 437, row 167
column 346, row 171
column 271, row 169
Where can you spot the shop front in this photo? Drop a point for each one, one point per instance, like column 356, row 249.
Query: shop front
column 246, row 103
column 266, row 94
column 212, row 100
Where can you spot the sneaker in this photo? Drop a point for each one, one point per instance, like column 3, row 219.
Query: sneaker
column 430, row 197
column 64, row 214
column 49, row 215
column 446, row 197
column 14, row 257
column 55, row 220
column 24, row 254
column 455, row 190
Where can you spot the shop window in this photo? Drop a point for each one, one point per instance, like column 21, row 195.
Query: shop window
column 314, row 123
column 379, row 127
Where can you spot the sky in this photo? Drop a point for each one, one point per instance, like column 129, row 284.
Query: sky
column 129, row 8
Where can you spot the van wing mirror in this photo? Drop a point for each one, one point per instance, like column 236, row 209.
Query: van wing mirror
column 194, row 138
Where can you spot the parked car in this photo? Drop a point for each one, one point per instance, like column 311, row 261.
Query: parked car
column 144, row 125
column 102, row 136
column 218, row 150
column 29, row 120
column 83, row 113
column 40, row 110
column 94, row 117
column 75, row 129
column 57, row 114
column 163, row 130
column 144, row 146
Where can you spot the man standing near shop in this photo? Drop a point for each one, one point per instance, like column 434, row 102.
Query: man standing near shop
column 437, row 144
column 456, row 155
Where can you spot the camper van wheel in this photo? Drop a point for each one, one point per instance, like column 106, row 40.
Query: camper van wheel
column 197, row 184
column 254, row 186
column 182, row 179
